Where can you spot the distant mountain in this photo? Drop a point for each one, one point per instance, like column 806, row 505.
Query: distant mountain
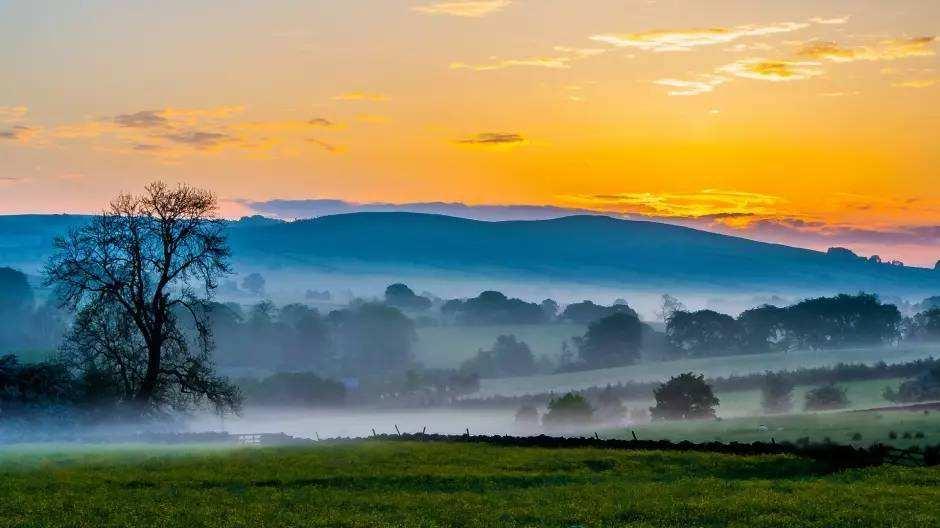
column 581, row 249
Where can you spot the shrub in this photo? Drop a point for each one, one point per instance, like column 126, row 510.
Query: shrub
column 776, row 393
column 826, row 397
column 684, row 397
column 570, row 410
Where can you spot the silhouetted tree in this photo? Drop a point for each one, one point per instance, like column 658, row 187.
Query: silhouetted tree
column 294, row 389
column 508, row 357
column 493, row 308
column 684, row 397
column 147, row 261
column 402, row 297
column 571, row 410
column 670, row 305
column 374, row 338
column 16, row 307
column 703, row 333
column 586, row 312
column 925, row 387
column 549, row 308
column 610, row 407
column 763, row 329
column 925, row 326
column 826, row 397
column 843, row 320
column 776, row 393
column 611, row 341
column 306, row 338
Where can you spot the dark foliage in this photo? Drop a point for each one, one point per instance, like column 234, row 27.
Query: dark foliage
column 294, row 389
column 586, row 312
column 402, row 297
column 684, row 397
column 374, row 338
column 147, row 261
column 493, row 308
column 508, row 357
column 925, row 387
column 570, row 410
column 776, row 393
column 704, row 333
column 826, row 397
column 611, row 341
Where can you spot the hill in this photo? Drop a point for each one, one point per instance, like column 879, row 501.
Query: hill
column 578, row 249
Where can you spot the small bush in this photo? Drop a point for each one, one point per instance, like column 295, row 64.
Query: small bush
column 826, row 397
column 919, row 434
column 893, row 435
column 571, row 409
column 856, row 437
column 907, row 435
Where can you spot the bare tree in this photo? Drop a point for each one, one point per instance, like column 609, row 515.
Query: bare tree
column 133, row 273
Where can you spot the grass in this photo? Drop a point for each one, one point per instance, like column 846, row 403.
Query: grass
column 711, row 367
column 839, row 427
column 461, row 485
column 448, row 346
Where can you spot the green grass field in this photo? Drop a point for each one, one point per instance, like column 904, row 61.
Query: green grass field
column 407, row 484
column 839, row 427
column 448, row 346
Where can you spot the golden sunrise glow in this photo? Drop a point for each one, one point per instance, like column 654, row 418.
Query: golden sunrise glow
column 804, row 124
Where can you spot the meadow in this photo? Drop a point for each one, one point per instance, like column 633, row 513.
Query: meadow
column 711, row 367
column 379, row 483
column 859, row 428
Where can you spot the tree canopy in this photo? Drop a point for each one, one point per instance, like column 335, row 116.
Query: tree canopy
column 132, row 273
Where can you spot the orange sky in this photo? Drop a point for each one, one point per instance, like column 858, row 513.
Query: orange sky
column 812, row 123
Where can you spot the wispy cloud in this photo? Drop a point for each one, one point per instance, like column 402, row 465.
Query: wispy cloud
column 198, row 139
column 492, row 139
column 708, row 203
column 361, row 96
column 466, row 8
column 9, row 114
column 834, row 21
column 567, row 55
column 686, row 39
column 915, row 83
column 171, row 134
column 142, row 119
column 19, row 133
column 329, row 147
column 705, row 84
column 773, row 70
column 499, row 64
column 886, row 50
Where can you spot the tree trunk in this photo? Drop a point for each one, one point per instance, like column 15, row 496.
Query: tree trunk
column 144, row 396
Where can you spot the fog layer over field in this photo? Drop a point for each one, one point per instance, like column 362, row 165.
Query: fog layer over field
column 360, row 423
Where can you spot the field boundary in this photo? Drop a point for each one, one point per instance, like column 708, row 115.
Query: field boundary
column 833, row 457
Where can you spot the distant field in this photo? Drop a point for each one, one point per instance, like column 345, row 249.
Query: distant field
column 874, row 427
column 711, row 367
column 448, row 346
column 467, row 485
column 861, row 395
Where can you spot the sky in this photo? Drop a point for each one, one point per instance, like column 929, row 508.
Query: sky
column 812, row 123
